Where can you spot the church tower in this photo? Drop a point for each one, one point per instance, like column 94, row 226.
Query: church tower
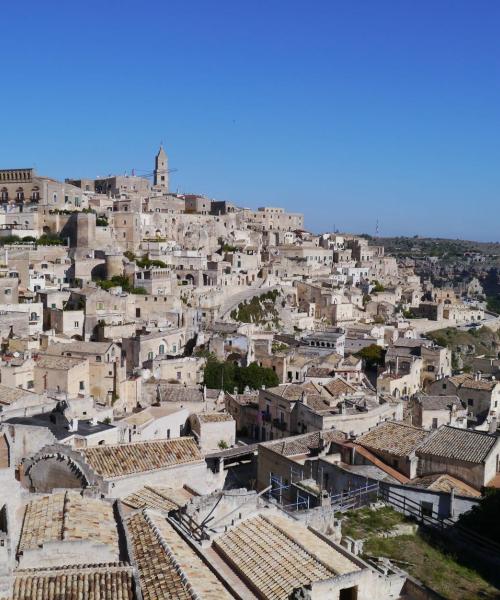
column 161, row 170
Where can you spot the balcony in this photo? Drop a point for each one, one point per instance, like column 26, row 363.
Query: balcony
column 278, row 424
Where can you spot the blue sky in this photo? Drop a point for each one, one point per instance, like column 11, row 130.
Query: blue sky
column 348, row 111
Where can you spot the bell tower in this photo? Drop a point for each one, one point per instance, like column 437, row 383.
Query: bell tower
column 161, row 170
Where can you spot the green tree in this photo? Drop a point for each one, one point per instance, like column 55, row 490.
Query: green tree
column 373, row 355
column 227, row 375
column 483, row 518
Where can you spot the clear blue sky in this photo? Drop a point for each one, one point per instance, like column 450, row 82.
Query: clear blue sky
column 348, row 111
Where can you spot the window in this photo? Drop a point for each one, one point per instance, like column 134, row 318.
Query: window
column 179, row 375
column 30, row 385
column 434, row 423
column 426, row 508
column 98, row 359
column 150, row 355
column 82, row 385
column 161, row 349
column 470, row 402
column 77, row 324
column 8, row 291
column 168, row 434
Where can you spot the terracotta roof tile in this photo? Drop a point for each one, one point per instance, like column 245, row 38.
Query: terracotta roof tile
column 459, row 444
column 395, row 438
column 168, row 568
column 125, row 459
column 67, row 516
column 275, row 556
column 300, row 444
column 99, row 582
column 159, row 498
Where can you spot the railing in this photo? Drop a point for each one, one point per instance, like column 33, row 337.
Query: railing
column 355, row 498
column 279, row 424
column 432, row 520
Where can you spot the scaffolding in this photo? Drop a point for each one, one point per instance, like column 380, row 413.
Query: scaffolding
column 280, row 487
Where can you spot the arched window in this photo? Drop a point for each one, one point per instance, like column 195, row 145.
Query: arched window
column 161, row 349
column 20, row 194
column 5, row 194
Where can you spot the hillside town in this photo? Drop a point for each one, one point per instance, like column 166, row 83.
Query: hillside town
column 205, row 401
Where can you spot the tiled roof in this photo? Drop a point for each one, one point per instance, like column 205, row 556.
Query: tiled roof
column 351, row 361
column 292, row 391
column 8, row 395
column 395, row 438
column 64, row 363
column 442, row 482
column 339, row 387
column 318, row 372
column 84, row 582
column 459, row 444
column 300, row 444
column 214, row 417
column 168, row 568
column 376, row 462
column 79, row 347
column 159, row 498
column 67, row 516
column 468, row 381
column 439, row 402
column 479, row 384
column 125, row 459
column 460, row 379
column 245, row 399
column 275, row 557
column 178, row 393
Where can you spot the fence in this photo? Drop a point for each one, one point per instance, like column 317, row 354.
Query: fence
column 428, row 517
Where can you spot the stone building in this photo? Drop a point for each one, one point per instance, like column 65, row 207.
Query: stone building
column 213, row 430
column 430, row 412
column 479, row 394
column 106, row 368
column 23, row 187
column 471, row 456
column 118, row 470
